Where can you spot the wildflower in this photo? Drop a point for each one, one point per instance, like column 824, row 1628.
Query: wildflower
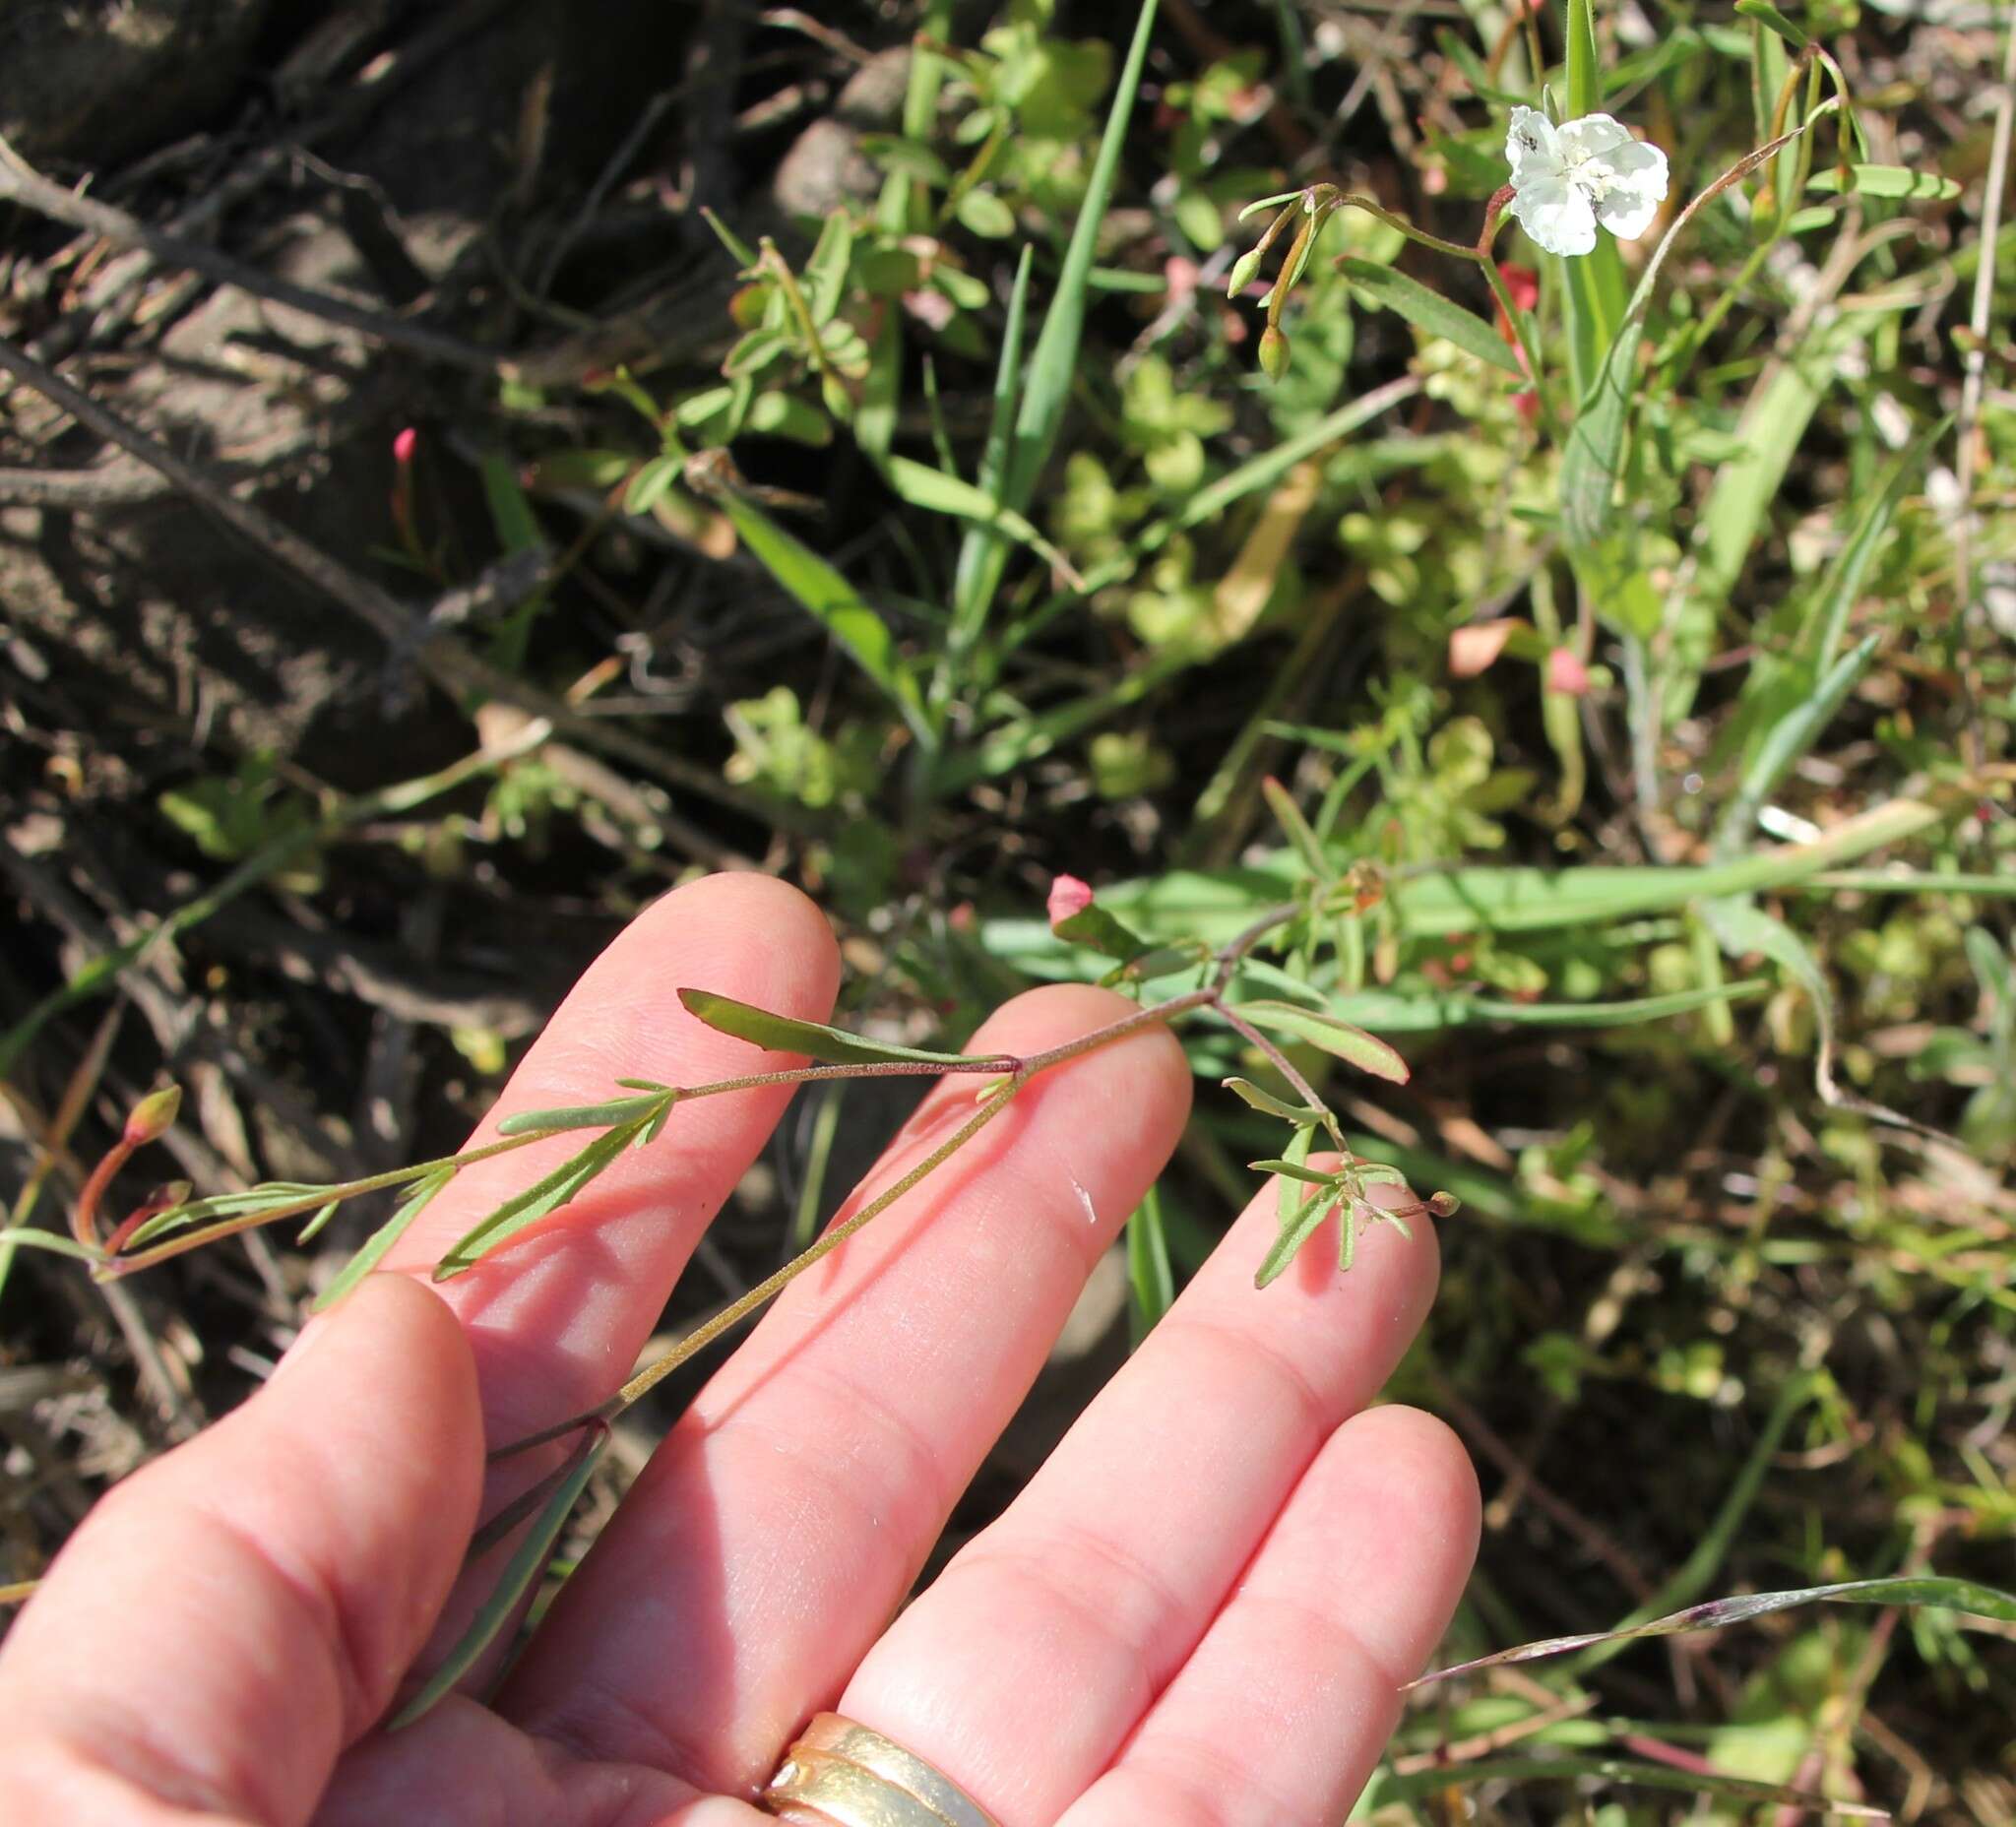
column 402, row 446
column 1566, row 179
column 1068, row 896
column 1476, row 647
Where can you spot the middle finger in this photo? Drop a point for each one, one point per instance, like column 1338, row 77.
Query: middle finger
column 784, row 1518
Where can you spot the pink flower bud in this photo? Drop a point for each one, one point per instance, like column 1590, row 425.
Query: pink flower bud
column 1068, row 896
column 1473, row 649
column 1566, row 674
column 402, row 446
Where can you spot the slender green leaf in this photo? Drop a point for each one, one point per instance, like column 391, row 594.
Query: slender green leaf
column 537, row 1201
column 1307, row 1221
column 1767, row 15
column 580, row 1115
column 1053, row 366
column 981, row 543
column 1430, row 311
column 1151, row 1277
column 315, row 1225
column 379, row 1244
column 782, row 1033
column 1626, row 1771
column 1583, row 77
column 1280, row 802
column 1294, row 1171
column 1266, row 1102
column 1364, row 1051
column 1966, row 1595
column 832, row 600
column 1396, row 1012
column 523, row 1569
column 1898, row 183
column 54, row 1241
column 938, row 493
column 1789, row 737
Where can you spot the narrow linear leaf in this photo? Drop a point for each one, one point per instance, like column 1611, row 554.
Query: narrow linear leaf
column 1769, row 16
column 819, row 588
column 1899, row 182
column 969, row 607
column 1267, row 1102
column 578, row 1116
column 1430, row 311
column 1365, row 1051
column 1294, row 1171
column 316, row 1225
column 1151, row 1277
column 1790, row 737
column 938, row 493
column 1399, row 1013
column 785, row 1035
column 379, row 1244
column 536, row 1202
column 37, row 1239
column 1054, row 364
column 1280, row 802
column 1966, row 1596
column 523, row 1567
column 1307, row 1221
column 1623, row 1771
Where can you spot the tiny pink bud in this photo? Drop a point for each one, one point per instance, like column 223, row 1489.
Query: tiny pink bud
column 152, row 1117
column 1474, row 648
column 1566, row 674
column 402, row 446
column 1068, row 896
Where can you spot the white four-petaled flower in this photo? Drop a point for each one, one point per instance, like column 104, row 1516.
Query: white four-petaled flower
column 1566, row 179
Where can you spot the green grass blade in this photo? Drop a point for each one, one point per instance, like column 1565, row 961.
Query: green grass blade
column 520, row 1572
column 1789, row 737
column 980, row 546
column 578, row 1116
column 1053, row 366
column 1151, row 1277
column 1624, row 1771
column 1396, row 1012
column 938, row 493
column 827, row 596
column 1966, row 1595
column 1583, row 79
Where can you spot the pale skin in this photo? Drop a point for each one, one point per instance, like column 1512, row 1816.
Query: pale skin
column 1198, row 1613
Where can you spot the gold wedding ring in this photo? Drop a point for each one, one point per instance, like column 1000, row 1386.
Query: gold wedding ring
column 840, row 1774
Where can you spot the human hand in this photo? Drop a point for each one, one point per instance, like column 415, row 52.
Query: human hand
column 1199, row 1610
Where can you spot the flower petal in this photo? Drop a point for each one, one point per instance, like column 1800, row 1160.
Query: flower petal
column 1593, row 136
column 1557, row 213
column 1529, row 145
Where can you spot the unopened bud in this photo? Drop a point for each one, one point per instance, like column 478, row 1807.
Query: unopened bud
column 1244, row 269
column 1068, row 896
column 1444, row 1205
column 1273, row 353
column 153, row 1116
column 402, row 446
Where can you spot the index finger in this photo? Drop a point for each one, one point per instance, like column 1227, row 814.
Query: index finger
column 557, row 1317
